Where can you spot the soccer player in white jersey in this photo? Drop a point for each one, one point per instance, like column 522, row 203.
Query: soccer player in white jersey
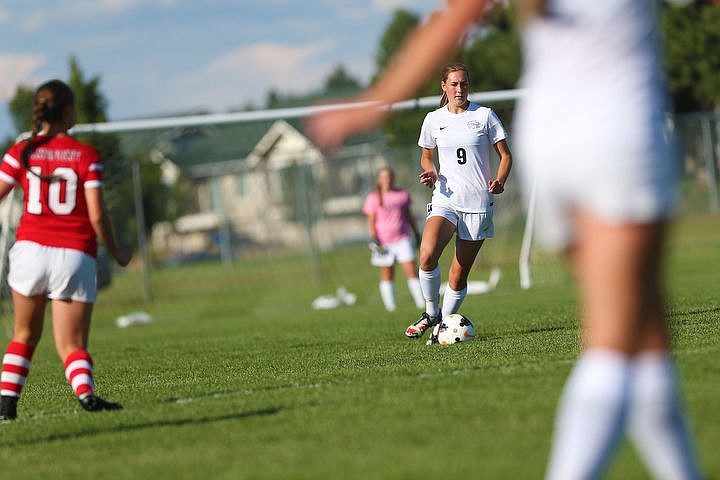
column 462, row 201
column 590, row 137
column 54, row 253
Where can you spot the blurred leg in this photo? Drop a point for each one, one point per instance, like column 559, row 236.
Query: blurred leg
column 657, row 425
column 612, row 264
column 413, row 283
column 387, row 288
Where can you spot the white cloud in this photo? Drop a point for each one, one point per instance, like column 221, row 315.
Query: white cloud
column 360, row 11
column 73, row 12
column 390, row 5
column 17, row 69
column 248, row 73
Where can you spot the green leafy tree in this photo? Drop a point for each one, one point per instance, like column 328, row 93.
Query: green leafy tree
column 402, row 23
column 274, row 99
column 340, row 83
column 493, row 53
column 21, row 108
column 90, row 102
column 692, row 54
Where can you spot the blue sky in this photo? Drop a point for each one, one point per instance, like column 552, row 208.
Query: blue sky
column 162, row 56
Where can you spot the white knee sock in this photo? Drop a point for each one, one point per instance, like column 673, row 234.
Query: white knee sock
column 591, row 415
column 430, row 284
column 452, row 300
column 416, row 292
column 387, row 293
column 656, row 423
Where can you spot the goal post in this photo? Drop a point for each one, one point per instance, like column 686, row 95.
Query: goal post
column 526, row 245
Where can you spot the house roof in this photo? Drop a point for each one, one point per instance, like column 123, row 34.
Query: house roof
column 192, row 147
column 189, row 146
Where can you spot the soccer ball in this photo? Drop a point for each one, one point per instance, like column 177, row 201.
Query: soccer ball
column 455, row 328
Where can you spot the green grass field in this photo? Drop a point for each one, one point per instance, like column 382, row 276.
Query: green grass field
column 237, row 377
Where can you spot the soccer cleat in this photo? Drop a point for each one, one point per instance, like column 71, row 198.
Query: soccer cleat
column 93, row 403
column 8, row 408
column 417, row 329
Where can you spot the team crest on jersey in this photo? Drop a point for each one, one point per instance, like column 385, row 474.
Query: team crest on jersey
column 474, row 125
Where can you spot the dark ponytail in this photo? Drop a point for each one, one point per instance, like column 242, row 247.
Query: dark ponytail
column 49, row 104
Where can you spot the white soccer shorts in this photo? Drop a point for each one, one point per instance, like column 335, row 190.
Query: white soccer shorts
column 60, row 273
column 401, row 251
column 470, row 226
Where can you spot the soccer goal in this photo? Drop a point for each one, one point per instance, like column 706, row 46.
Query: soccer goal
column 230, row 163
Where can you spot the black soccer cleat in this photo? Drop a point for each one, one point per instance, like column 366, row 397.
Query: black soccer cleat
column 93, row 403
column 8, row 408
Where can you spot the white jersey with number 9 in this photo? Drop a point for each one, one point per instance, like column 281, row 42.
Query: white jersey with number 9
column 463, row 143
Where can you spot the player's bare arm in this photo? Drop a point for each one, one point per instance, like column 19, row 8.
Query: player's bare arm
column 503, row 151
column 427, row 161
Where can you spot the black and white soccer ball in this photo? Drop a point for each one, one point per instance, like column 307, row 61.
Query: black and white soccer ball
column 454, row 328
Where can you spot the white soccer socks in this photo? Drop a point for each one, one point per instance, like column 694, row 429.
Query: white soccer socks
column 656, row 423
column 609, row 393
column 387, row 293
column 591, row 415
column 452, row 299
column 430, row 284
column 416, row 292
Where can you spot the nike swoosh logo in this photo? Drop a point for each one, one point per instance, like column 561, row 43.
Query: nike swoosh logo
column 443, row 128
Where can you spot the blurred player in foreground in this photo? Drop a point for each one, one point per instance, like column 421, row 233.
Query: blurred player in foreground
column 590, row 138
column 462, row 201
column 390, row 223
column 54, row 256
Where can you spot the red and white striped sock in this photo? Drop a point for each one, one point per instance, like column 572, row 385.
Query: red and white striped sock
column 79, row 372
column 15, row 367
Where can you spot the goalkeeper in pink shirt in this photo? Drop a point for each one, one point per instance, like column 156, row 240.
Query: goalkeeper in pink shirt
column 390, row 223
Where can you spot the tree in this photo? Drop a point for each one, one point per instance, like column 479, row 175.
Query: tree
column 21, row 108
column 337, row 84
column 401, row 24
column 692, row 35
column 340, row 83
column 493, row 53
column 90, row 102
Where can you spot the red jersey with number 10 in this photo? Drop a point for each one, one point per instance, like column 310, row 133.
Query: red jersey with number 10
column 55, row 212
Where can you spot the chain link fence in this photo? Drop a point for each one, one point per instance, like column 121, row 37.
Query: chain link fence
column 259, row 189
